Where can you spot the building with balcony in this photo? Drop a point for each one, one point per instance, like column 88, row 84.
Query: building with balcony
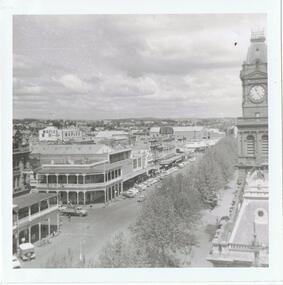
column 85, row 174
column 35, row 217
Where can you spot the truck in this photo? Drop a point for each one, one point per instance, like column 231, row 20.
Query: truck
column 74, row 211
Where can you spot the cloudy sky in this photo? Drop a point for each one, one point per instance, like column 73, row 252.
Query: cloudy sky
column 105, row 66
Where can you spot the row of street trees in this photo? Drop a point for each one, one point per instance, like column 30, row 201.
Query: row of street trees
column 212, row 172
column 163, row 234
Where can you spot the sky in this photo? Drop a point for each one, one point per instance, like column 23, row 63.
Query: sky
column 130, row 66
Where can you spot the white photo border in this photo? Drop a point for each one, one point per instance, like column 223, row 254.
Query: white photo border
column 62, row 7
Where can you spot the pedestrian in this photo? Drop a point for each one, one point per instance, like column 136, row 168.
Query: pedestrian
column 69, row 217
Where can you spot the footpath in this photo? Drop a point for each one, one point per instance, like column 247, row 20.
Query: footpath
column 207, row 227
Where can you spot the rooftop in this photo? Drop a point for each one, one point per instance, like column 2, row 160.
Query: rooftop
column 252, row 219
column 31, row 198
column 72, row 149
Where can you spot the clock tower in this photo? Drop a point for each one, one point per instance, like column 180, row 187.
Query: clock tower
column 253, row 125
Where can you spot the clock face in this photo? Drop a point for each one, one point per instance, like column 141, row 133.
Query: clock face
column 257, row 93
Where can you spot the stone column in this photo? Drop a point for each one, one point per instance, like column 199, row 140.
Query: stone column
column 58, row 223
column 48, row 226
column 84, row 197
column 39, row 231
column 83, row 178
column 57, row 179
column 46, row 175
column 67, row 178
column 78, row 197
column 29, row 234
column 77, row 178
column 67, row 193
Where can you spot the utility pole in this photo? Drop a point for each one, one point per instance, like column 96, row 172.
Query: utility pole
column 255, row 247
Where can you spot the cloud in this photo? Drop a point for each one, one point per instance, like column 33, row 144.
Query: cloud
column 73, row 83
column 103, row 66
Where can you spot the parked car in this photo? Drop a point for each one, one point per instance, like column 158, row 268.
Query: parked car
column 141, row 198
column 74, row 211
column 16, row 262
column 155, row 181
column 26, row 251
column 129, row 194
column 134, row 190
column 62, row 207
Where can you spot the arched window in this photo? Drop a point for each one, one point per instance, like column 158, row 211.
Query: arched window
column 250, row 145
column 264, row 144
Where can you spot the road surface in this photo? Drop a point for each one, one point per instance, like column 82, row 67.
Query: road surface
column 87, row 234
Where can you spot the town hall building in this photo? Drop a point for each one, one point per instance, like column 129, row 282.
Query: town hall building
column 243, row 240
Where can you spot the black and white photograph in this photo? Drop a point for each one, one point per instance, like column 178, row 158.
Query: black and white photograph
column 141, row 141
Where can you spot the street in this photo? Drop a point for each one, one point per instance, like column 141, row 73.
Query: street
column 89, row 233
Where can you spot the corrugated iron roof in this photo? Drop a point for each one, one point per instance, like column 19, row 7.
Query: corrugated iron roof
column 31, row 198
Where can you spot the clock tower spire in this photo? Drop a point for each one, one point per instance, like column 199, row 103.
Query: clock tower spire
column 253, row 125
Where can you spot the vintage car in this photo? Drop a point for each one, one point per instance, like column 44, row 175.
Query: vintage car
column 26, row 251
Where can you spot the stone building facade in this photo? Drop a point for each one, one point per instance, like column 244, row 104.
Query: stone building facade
column 243, row 239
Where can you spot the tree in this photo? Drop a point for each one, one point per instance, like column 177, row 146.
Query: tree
column 165, row 226
column 121, row 252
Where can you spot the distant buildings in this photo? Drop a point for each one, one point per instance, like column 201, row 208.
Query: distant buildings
column 188, row 133
column 53, row 134
column 116, row 136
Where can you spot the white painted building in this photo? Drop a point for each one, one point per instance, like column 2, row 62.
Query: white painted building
column 50, row 133
column 53, row 134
